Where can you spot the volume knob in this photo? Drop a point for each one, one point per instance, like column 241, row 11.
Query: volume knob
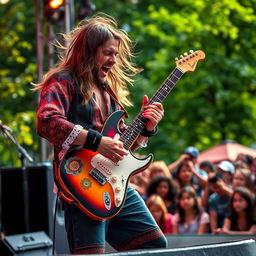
column 118, row 200
column 114, row 179
column 117, row 189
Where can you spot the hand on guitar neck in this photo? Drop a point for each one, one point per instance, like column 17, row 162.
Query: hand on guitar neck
column 153, row 112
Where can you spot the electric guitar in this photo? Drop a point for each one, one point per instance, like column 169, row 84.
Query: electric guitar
column 96, row 184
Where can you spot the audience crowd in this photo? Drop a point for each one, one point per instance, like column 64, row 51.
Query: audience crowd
column 187, row 197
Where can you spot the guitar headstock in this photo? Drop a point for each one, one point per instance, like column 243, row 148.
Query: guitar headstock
column 188, row 62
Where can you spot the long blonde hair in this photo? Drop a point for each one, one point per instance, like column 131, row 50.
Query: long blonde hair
column 78, row 54
column 159, row 166
column 157, row 201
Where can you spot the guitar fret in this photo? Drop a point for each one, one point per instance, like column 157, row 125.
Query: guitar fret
column 163, row 93
column 178, row 72
column 174, row 77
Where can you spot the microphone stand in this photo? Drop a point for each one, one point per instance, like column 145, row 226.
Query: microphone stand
column 23, row 155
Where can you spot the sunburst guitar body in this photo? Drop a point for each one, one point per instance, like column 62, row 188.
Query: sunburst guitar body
column 97, row 184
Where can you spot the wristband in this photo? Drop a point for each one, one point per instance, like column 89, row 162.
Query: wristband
column 92, row 140
column 146, row 133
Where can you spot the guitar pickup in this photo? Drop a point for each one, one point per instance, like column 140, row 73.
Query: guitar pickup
column 98, row 176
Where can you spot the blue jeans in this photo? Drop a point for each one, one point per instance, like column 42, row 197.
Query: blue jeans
column 132, row 228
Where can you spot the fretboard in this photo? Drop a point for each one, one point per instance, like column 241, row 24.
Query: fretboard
column 134, row 129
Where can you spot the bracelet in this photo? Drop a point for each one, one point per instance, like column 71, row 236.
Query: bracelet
column 146, row 133
column 92, row 140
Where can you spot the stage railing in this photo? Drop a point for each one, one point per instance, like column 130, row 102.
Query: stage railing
column 182, row 241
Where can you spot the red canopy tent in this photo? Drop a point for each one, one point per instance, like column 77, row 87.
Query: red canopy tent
column 227, row 150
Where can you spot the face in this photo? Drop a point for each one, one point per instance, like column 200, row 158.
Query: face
column 186, row 201
column 105, row 58
column 157, row 173
column 156, row 213
column 190, row 158
column 216, row 188
column 241, row 157
column 239, row 203
column 239, row 180
column 162, row 189
column 185, row 174
column 206, row 169
column 227, row 176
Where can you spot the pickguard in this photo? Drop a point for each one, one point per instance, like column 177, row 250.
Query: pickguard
column 117, row 174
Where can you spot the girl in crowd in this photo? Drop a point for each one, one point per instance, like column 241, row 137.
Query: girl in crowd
column 190, row 218
column 242, row 178
column 185, row 176
column 158, row 168
column 241, row 219
column 207, row 166
column 158, row 209
column 167, row 189
column 141, row 180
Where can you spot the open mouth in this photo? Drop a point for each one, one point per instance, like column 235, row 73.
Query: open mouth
column 105, row 70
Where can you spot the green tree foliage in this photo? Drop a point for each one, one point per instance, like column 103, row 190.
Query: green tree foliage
column 214, row 103
column 17, row 71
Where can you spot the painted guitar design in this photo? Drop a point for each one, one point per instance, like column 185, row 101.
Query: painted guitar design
column 96, row 184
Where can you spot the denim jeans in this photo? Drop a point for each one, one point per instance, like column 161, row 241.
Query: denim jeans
column 132, row 228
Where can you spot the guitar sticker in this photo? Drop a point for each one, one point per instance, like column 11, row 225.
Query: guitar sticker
column 74, row 166
column 107, row 200
column 86, row 183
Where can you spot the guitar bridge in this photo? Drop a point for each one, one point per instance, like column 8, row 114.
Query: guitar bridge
column 98, row 176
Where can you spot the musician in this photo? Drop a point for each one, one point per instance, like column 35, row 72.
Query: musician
column 77, row 96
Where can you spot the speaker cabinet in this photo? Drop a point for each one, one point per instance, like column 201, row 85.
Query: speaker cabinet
column 41, row 203
column 28, row 244
column 40, row 192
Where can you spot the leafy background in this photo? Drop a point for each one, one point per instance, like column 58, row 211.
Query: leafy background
column 206, row 107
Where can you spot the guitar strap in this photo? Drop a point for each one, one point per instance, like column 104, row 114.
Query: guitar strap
column 62, row 194
column 112, row 94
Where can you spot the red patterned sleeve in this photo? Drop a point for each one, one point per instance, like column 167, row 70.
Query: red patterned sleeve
column 52, row 123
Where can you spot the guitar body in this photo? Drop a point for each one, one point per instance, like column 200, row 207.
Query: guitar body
column 96, row 184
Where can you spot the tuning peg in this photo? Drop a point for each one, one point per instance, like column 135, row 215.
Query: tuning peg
column 185, row 54
column 191, row 51
column 176, row 58
column 181, row 56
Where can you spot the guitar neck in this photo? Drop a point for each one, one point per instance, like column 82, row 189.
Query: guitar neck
column 134, row 129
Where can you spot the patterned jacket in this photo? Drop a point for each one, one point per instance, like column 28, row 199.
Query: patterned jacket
column 61, row 115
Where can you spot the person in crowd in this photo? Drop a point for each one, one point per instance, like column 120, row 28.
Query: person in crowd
column 246, row 158
column 190, row 217
column 141, row 180
column 190, row 154
column 87, row 85
column 158, row 168
column 218, row 202
column 227, row 169
column 207, row 166
column 185, row 176
column 159, row 211
column 242, row 178
column 167, row 189
column 241, row 219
